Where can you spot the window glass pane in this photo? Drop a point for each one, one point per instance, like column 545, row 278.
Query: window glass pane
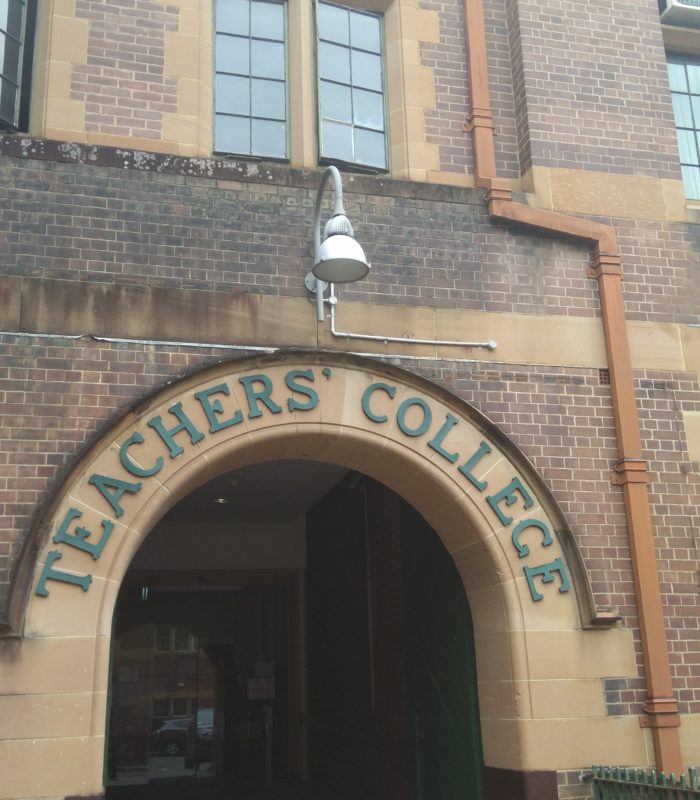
column 8, row 95
column 370, row 148
column 686, row 147
column 268, row 99
column 160, row 707
column 9, row 60
column 162, row 638
column 368, row 109
column 336, row 141
column 681, row 110
column 179, row 706
column 233, row 54
column 336, row 102
column 364, row 32
column 269, row 139
column 267, row 20
column 11, row 18
column 366, row 70
column 691, row 181
column 183, row 640
column 232, row 134
column 267, row 59
column 333, row 23
column 334, row 62
column 693, row 77
column 232, row 16
column 233, row 95
column 676, row 76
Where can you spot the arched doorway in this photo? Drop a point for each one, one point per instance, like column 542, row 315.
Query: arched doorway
column 494, row 517
column 318, row 644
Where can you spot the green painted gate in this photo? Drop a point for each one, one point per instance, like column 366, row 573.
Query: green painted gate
column 442, row 670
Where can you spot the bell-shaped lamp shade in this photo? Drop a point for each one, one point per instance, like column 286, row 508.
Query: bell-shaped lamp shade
column 340, row 259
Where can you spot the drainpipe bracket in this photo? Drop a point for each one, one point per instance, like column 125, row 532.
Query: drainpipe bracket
column 630, row 470
column 479, row 118
column 660, row 712
column 668, row 721
column 604, row 264
column 498, row 189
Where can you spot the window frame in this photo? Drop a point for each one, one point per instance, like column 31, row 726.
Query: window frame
column 684, row 59
column 324, row 160
column 286, row 81
column 25, row 58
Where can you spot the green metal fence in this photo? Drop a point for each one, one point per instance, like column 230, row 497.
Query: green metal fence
column 620, row 783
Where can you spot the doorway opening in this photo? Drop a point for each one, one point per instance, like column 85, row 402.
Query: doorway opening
column 293, row 630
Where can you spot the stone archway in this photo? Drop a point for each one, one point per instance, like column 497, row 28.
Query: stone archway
column 521, row 572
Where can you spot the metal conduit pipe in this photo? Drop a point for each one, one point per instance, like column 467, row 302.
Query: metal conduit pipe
column 660, row 711
column 376, row 337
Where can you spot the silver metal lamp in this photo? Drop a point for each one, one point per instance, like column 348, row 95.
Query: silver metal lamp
column 339, row 258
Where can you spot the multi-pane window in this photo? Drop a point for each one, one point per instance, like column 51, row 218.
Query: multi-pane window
column 350, row 87
column 684, row 75
column 251, row 88
column 16, row 35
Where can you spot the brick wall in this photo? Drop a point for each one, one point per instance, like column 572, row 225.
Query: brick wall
column 55, row 394
column 123, row 84
column 562, row 420
column 570, row 87
column 145, row 222
column 148, row 222
column 445, row 125
column 592, row 88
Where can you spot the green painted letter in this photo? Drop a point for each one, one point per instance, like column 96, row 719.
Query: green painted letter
column 509, row 495
column 472, row 461
column 425, row 423
column 523, row 549
column 548, row 572
column 291, row 380
column 439, row 438
column 51, row 574
column 263, row 394
column 104, row 483
column 78, row 539
column 166, row 435
column 129, row 465
column 368, row 392
column 213, row 407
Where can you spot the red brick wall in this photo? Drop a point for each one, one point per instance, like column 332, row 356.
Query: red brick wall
column 123, row 84
column 444, row 125
column 592, row 88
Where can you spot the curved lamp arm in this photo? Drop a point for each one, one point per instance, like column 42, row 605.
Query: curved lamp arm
column 339, row 258
column 338, row 209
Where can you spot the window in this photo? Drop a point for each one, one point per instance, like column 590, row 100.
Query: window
column 16, row 45
column 251, row 87
column 350, row 87
column 167, row 639
column 684, row 76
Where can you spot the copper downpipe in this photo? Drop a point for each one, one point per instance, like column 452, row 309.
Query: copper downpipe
column 660, row 711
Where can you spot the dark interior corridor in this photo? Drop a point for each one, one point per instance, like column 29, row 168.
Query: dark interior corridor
column 351, row 678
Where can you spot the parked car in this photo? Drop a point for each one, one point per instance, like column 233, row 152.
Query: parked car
column 176, row 737
column 171, row 738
